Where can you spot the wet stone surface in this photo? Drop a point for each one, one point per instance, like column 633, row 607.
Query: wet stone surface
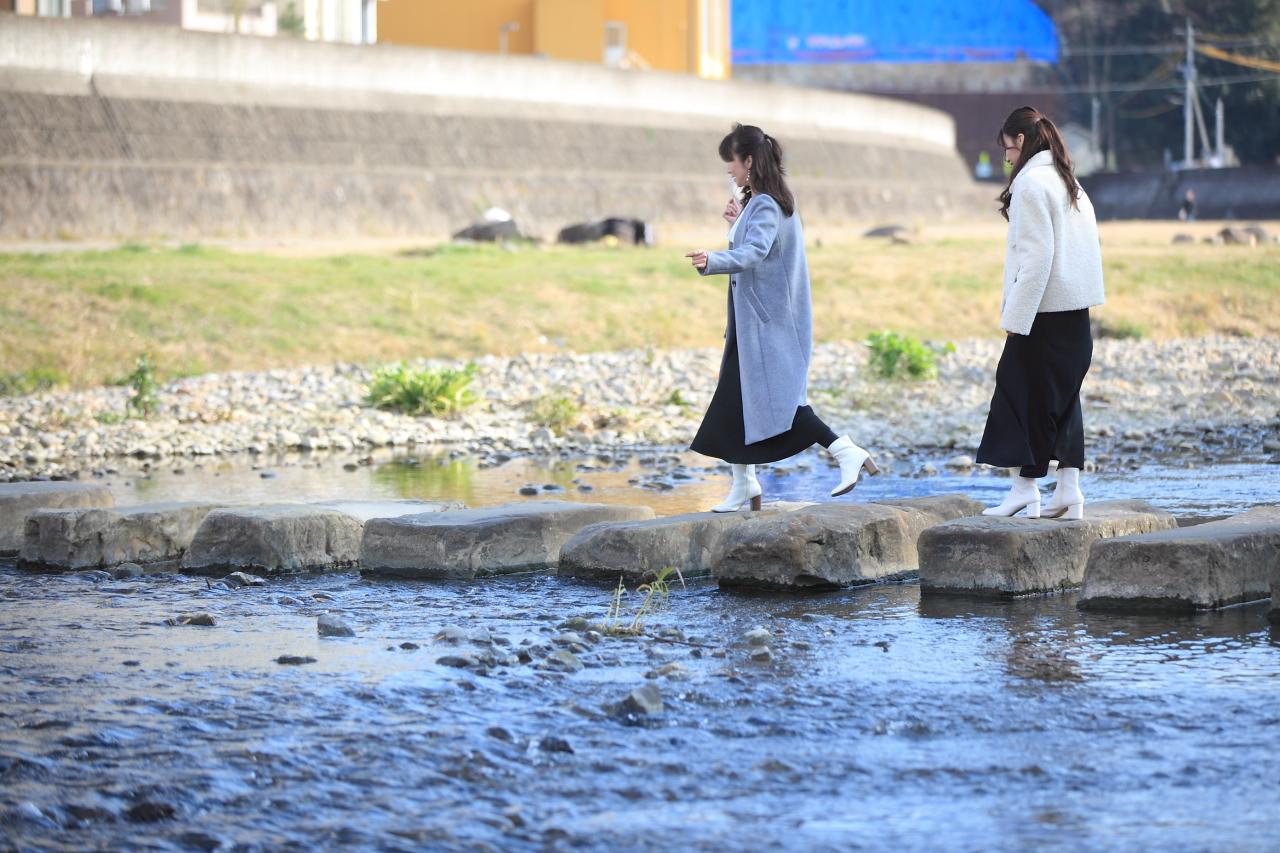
column 877, row 720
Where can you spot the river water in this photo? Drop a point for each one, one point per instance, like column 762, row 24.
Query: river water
column 883, row 719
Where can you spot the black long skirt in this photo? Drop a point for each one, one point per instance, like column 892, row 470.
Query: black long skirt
column 723, row 431
column 1035, row 412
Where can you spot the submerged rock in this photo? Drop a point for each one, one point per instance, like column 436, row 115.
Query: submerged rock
column 641, row 701
column 328, row 625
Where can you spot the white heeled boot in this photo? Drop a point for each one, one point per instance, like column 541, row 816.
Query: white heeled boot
column 1025, row 494
column 746, row 489
column 1067, row 502
column 853, row 461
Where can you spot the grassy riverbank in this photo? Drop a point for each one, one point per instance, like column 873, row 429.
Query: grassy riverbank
column 80, row 318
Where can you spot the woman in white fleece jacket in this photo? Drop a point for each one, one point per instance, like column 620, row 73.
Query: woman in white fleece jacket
column 1052, row 277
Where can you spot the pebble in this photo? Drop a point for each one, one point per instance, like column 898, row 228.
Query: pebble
column 294, row 660
column 202, row 619
column 328, row 625
column 562, row 660
column 758, row 636
column 762, row 654
column 641, row 701
column 127, row 570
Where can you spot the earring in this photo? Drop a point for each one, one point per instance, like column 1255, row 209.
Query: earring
column 748, row 176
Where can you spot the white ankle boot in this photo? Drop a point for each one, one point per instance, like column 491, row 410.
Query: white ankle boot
column 1067, row 502
column 1025, row 494
column 853, row 461
column 746, row 489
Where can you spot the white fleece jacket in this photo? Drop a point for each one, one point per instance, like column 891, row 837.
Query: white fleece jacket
column 1053, row 261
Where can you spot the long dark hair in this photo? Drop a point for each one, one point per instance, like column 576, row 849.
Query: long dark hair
column 1038, row 134
column 767, row 173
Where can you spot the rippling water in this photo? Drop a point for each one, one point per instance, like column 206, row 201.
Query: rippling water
column 883, row 720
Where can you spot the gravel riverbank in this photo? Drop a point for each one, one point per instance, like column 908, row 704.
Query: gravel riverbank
column 1202, row 399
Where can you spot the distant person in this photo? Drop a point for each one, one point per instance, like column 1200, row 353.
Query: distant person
column 759, row 412
column 1187, row 212
column 983, row 171
column 1052, row 277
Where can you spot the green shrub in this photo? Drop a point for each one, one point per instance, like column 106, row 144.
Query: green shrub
column 143, row 401
column 556, row 413
column 422, row 390
column 894, row 355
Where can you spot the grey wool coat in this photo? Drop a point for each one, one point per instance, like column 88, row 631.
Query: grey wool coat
column 769, row 284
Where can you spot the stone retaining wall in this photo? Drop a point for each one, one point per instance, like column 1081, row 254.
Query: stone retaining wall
column 188, row 135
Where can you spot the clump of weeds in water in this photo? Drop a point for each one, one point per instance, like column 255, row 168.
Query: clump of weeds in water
column 657, row 595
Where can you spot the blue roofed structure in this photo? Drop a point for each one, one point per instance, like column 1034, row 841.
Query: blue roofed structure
column 786, row 32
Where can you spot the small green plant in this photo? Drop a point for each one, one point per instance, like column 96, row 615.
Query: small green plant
column 555, row 412
column 657, row 595
column 422, row 390
column 290, row 21
column 675, row 398
column 143, row 401
column 109, row 418
column 894, row 355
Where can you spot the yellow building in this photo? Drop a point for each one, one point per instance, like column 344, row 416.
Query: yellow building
column 688, row 36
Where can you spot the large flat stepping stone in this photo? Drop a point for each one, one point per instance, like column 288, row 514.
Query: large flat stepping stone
column 638, row 550
column 1202, row 567
column 479, row 542
column 827, row 546
column 274, row 539
column 60, row 539
column 1020, row 556
column 17, row 500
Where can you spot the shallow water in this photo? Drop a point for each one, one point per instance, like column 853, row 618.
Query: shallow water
column 670, row 483
column 883, row 721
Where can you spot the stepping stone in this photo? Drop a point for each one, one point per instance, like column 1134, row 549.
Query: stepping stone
column 19, row 499
column 638, row 550
column 274, row 539
column 480, row 542
column 827, row 546
column 1020, row 556
column 365, row 510
column 96, row 538
column 1201, row 567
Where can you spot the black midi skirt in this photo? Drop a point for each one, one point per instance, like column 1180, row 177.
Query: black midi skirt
column 1035, row 412
column 723, row 432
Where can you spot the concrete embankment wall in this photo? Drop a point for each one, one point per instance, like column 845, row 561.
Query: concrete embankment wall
column 117, row 130
column 1250, row 192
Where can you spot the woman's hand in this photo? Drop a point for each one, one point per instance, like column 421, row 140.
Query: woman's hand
column 698, row 259
column 731, row 210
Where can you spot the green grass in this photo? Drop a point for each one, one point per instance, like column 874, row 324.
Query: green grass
column 79, row 318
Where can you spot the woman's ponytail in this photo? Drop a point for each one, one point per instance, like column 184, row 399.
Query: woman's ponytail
column 1039, row 133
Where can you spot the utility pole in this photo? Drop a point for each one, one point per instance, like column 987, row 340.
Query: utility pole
column 1219, row 123
column 1188, row 106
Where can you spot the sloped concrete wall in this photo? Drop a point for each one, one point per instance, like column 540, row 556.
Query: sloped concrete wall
column 110, row 130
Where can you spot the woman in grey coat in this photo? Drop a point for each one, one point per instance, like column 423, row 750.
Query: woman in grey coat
column 759, row 412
